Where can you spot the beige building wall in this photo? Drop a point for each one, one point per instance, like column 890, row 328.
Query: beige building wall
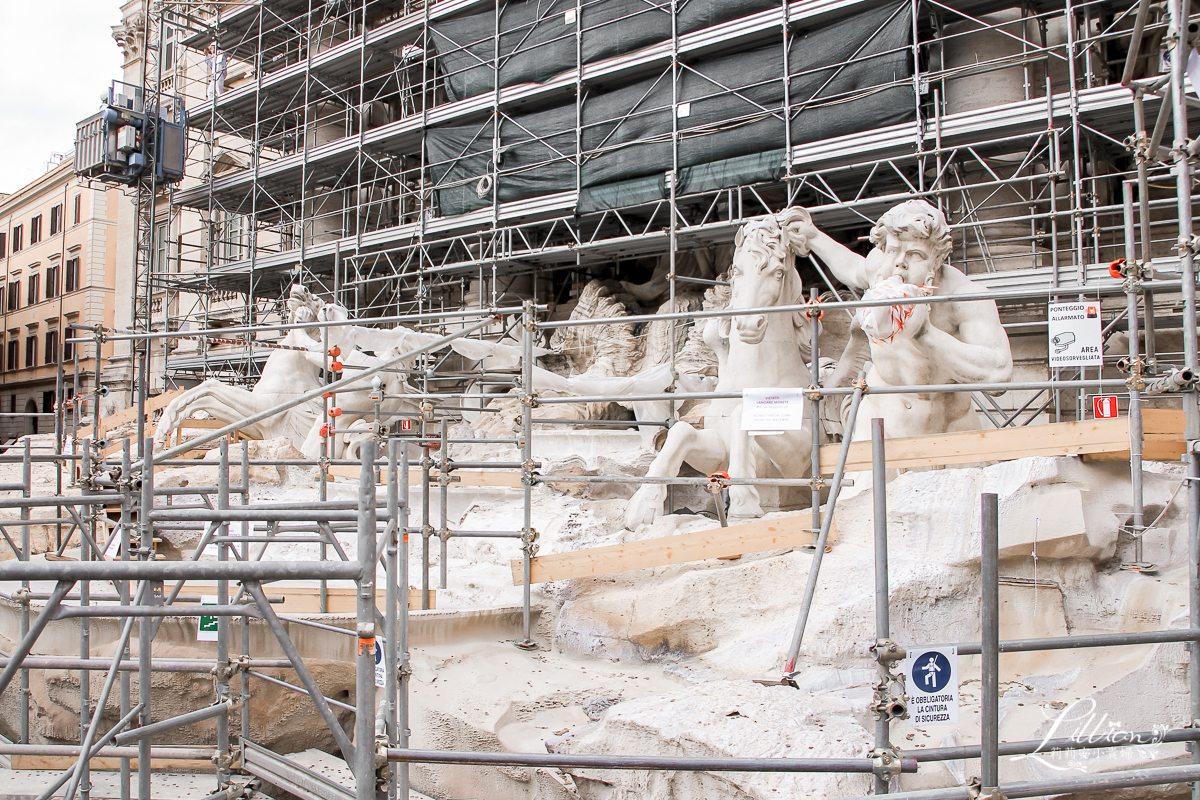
column 66, row 276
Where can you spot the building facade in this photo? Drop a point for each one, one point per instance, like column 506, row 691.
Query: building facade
column 58, row 252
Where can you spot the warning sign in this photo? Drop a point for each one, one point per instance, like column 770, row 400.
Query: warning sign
column 932, row 674
column 206, row 627
column 1104, row 406
column 1075, row 335
column 380, row 673
column 765, row 410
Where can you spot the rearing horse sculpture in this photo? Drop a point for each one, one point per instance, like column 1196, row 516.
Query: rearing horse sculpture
column 753, row 351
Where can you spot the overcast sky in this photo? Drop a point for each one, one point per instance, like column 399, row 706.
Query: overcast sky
column 56, row 57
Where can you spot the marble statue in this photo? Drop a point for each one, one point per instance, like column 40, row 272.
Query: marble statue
column 288, row 373
column 915, row 343
column 754, row 351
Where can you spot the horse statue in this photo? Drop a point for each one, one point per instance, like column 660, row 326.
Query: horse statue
column 289, row 372
column 753, row 352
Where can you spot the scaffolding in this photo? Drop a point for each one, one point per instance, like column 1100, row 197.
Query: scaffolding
column 318, row 162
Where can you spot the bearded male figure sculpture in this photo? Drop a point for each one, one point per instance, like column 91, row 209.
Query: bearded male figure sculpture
column 919, row 343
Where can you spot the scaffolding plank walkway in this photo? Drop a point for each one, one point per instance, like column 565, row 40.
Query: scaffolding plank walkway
column 1098, row 439
column 752, row 537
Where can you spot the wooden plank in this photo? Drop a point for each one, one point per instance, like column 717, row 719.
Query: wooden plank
column 307, row 599
column 752, row 537
column 129, row 414
column 1003, row 444
column 59, row 763
column 1164, row 420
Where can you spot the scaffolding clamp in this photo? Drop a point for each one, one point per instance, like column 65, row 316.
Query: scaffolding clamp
column 977, row 792
column 1187, row 245
column 813, row 393
column 529, row 399
column 885, row 761
column 427, row 531
column 887, row 652
column 890, row 699
column 444, row 534
column 529, row 537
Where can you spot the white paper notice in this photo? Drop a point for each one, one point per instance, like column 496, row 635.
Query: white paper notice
column 1074, row 334
column 766, row 410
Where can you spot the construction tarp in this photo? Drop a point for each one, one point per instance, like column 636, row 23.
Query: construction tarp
column 851, row 76
column 537, row 38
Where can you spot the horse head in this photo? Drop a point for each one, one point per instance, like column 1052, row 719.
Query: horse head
column 764, row 271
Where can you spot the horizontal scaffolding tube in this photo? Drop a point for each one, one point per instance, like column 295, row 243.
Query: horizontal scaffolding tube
column 156, row 664
column 162, row 751
column 676, row 764
column 177, row 570
column 1124, row 779
column 676, row 480
column 224, row 333
column 190, row 718
column 70, row 612
column 933, row 388
column 299, row 689
column 242, row 514
column 1090, row 640
column 998, row 295
column 1087, row 742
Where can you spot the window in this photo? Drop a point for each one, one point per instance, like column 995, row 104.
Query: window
column 31, row 350
column 71, row 278
column 35, row 229
column 18, row 238
column 78, row 208
column 231, row 235
column 162, row 245
column 52, row 281
column 68, row 347
column 34, row 284
column 48, row 402
column 3, row 244
column 13, row 355
column 14, row 295
column 56, row 219
column 51, row 347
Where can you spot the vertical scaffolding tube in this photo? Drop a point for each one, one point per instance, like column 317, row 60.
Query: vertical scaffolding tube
column 391, row 592
column 989, row 718
column 26, row 477
column 146, row 625
column 883, row 627
column 1178, row 12
column 815, row 409
column 85, row 633
column 123, row 591
column 528, row 538
column 1132, row 285
column 1193, row 517
column 402, row 636
column 223, row 622
column 364, row 684
column 443, row 497
column 245, row 621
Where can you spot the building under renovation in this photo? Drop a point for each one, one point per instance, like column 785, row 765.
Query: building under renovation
column 598, row 399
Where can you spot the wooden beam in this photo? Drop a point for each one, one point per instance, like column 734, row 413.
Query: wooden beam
column 129, row 414
column 1102, row 439
column 752, row 537
column 307, row 599
column 105, row 764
